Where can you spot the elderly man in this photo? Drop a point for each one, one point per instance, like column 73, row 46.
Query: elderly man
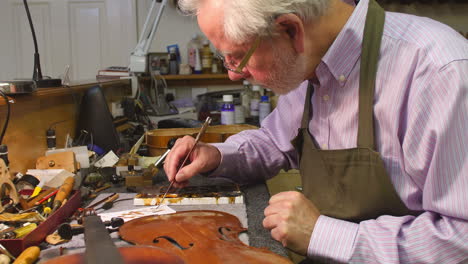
column 374, row 113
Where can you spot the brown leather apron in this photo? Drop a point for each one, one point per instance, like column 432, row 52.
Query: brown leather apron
column 351, row 184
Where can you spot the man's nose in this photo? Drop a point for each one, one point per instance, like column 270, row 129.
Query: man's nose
column 236, row 76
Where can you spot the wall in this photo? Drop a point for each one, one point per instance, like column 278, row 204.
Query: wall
column 174, row 28
column 88, row 35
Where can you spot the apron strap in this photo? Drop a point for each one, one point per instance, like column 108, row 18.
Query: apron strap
column 373, row 30
column 308, row 112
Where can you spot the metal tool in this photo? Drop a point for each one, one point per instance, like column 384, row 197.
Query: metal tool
column 3, row 250
column 197, row 139
column 47, row 208
column 99, row 246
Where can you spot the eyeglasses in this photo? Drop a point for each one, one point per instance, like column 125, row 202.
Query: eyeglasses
column 231, row 65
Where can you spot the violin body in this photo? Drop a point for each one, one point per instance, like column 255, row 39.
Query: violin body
column 197, row 237
column 157, row 139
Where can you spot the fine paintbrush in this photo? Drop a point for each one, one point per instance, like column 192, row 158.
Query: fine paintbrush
column 197, row 139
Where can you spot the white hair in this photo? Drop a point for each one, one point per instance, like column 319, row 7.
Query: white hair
column 246, row 18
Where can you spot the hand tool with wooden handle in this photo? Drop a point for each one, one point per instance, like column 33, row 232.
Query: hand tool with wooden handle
column 101, row 201
column 32, row 202
column 50, row 195
column 63, row 192
column 109, row 203
column 28, row 256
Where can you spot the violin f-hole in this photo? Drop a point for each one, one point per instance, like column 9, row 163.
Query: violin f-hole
column 173, row 241
column 224, row 235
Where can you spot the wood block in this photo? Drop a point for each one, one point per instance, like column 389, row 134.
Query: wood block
column 61, row 160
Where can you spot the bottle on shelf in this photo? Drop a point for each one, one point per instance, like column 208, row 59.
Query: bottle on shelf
column 215, row 65
column 254, row 104
column 198, row 65
column 193, row 52
column 163, row 67
column 246, row 95
column 227, row 110
column 173, row 63
column 239, row 117
column 264, row 108
column 272, row 97
column 207, row 57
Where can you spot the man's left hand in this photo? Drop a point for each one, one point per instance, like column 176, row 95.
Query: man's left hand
column 291, row 218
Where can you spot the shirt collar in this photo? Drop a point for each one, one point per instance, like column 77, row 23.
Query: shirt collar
column 343, row 54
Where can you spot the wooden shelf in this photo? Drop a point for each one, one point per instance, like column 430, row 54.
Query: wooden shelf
column 80, row 86
column 195, row 79
column 74, row 87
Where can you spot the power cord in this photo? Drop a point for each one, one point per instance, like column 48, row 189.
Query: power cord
column 7, row 117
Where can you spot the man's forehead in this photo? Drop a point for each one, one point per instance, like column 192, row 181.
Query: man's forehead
column 213, row 3
column 210, row 19
column 212, row 10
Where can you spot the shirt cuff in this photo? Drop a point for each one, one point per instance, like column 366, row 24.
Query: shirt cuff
column 332, row 239
column 228, row 152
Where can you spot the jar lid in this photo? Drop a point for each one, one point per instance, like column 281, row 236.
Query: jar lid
column 264, row 98
column 245, row 82
column 256, row 88
column 228, row 98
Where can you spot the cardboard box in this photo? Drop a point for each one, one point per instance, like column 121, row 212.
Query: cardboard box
column 16, row 246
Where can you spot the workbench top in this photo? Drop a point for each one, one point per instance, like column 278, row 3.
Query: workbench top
column 250, row 214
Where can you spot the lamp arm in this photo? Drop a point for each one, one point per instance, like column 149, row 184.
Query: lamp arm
column 147, row 34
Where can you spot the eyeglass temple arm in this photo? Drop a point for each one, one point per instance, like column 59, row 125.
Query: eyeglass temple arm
column 248, row 55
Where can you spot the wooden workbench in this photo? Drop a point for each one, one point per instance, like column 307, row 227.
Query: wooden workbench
column 32, row 114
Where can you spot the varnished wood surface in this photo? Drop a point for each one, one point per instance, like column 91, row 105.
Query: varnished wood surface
column 200, row 236
column 74, row 87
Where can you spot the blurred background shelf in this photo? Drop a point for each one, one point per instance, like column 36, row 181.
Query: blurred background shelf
column 196, row 79
column 75, row 87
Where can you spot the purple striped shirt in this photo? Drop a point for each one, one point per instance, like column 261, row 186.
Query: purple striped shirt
column 421, row 126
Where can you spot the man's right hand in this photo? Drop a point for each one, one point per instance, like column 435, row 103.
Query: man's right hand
column 204, row 158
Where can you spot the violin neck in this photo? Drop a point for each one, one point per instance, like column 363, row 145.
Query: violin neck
column 99, row 246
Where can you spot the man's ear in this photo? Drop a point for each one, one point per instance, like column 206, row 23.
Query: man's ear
column 291, row 26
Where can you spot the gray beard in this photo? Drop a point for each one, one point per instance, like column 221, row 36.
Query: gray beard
column 287, row 72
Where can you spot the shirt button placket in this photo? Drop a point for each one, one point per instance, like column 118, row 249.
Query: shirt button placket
column 342, row 79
